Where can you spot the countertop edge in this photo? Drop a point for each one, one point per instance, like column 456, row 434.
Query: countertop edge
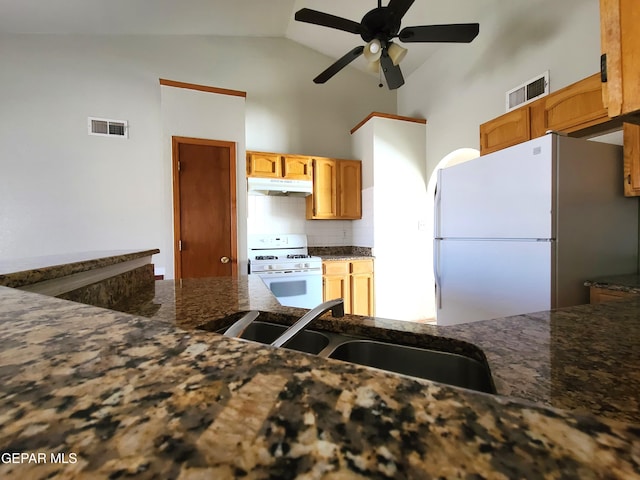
column 30, row 276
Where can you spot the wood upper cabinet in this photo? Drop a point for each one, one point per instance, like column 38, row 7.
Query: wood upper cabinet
column 571, row 109
column 297, row 167
column 323, row 203
column 351, row 280
column 337, row 190
column 575, row 107
column 631, row 139
column 276, row 165
column 350, row 189
column 620, row 44
column 260, row 164
column 506, row 130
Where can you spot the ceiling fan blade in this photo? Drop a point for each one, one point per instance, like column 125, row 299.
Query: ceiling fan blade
column 452, row 33
column 399, row 7
column 339, row 65
column 392, row 73
column 327, row 20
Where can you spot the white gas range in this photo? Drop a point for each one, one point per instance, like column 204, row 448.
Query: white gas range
column 284, row 264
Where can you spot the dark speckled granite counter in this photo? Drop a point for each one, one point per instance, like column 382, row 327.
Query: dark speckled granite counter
column 20, row 272
column 349, row 251
column 337, row 258
column 156, row 398
column 622, row 283
column 102, row 279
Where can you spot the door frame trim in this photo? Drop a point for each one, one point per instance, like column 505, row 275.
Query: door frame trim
column 175, row 156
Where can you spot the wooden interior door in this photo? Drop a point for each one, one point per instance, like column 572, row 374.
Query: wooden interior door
column 204, row 191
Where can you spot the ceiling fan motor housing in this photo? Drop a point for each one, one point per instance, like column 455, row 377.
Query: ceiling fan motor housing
column 380, row 23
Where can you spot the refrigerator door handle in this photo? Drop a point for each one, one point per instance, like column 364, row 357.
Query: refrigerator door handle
column 436, row 272
column 437, row 207
column 436, row 239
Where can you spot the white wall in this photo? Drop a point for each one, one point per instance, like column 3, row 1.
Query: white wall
column 62, row 190
column 393, row 153
column 364, row 149
column 280, row 215
column 197, row 114
column 464, row 85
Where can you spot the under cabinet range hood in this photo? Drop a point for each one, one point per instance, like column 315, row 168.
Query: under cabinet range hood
column 279, row 186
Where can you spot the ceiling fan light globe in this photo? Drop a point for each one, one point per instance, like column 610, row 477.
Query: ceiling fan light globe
column 396, row 53
column 374, row 66
column 373, row 50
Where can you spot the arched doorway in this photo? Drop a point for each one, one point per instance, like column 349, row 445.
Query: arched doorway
column 457, row 156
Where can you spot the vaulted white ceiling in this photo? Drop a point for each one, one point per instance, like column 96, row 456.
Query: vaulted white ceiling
column 259, row 18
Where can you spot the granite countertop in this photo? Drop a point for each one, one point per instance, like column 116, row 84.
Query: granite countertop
column 19, row 272
column 331, row 258
column 624, row 283
column 156, row 398
column 341, row 253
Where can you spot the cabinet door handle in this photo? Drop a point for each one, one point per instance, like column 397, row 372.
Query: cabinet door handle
column 225, row 260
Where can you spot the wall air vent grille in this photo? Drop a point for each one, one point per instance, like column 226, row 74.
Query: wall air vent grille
column 527, row 92
column 108, row 128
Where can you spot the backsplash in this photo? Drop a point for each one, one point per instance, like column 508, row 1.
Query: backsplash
column 275, row 215
column 281, row 215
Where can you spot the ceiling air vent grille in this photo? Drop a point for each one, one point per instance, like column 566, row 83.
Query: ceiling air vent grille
column 108, row 128
column 527, row 92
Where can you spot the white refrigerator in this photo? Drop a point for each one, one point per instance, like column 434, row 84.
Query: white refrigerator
column 521, row 230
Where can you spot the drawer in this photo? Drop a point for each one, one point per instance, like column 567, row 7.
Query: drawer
column 362, row 266
column 335, row 268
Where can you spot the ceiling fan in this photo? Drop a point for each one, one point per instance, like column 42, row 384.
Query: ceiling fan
column 378, row 28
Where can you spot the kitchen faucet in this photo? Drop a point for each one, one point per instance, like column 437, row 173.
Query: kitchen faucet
column 238, row 328
column 337, row 310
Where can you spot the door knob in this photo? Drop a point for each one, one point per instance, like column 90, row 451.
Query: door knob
column 224, row 260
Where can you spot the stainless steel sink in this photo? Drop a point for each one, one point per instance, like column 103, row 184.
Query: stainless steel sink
column 306, row 341
column 420, row 362
column 442, row 367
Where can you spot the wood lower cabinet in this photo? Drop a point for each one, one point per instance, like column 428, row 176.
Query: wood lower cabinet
column 362, row 296
column 337, row 190
column 351, row 280
column 600, row 295
column 336, row 282
column 620, row 44
column 631, row 135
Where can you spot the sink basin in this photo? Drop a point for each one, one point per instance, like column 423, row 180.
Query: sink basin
column 442, row 367
column 264, row 332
